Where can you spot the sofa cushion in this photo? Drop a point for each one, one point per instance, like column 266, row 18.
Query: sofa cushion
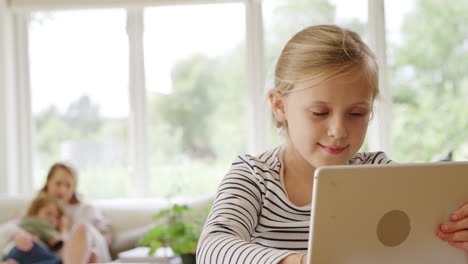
column 13, row 207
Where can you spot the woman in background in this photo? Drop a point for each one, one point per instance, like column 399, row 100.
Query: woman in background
column 89, row 232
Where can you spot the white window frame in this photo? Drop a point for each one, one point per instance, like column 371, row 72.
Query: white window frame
column 16, row 126
column 24, row 125
column 7, row 152
column 255, row 75
column 379, row 135
column 139, row 165
column 16, row 158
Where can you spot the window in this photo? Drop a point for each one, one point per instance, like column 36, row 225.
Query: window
column 196, row 95
column 428, row 63
column 79, row 96
column 197, row 83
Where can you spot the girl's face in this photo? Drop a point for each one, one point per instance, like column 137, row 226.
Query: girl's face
column 51, row 213
column 61, row 185
column 327, row 123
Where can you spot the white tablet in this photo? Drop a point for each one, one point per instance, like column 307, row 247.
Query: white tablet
column 385, row 214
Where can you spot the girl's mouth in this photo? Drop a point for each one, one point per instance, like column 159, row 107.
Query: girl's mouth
column 335, row 150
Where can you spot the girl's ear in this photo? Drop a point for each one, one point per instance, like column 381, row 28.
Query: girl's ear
column 277, row 106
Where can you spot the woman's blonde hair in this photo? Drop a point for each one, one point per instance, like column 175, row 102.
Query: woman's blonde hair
column 71, row 171
column 42, row 200
column 320, row 53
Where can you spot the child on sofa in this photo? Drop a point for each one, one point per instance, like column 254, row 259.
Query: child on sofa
column 46, row 221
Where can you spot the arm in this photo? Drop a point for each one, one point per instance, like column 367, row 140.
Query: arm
column 233, row 218
column 294, row 259
column 12, row 232
column 24, row 240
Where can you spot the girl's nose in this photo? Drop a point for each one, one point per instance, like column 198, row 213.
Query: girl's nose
column 337, row 128
column 62, row 191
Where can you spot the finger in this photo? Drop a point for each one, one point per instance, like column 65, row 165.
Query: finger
column 460, row 245
column 460, row 213
column 450, row 227
column 460, row 236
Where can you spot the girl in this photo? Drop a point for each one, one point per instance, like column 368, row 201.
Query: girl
column 45, row 219
column 90, row 232
column 326, row 80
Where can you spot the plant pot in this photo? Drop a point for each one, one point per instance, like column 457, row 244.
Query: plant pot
column 188, row 258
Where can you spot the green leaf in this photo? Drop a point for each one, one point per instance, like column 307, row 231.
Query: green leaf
column 154, row 246
column 161, row 214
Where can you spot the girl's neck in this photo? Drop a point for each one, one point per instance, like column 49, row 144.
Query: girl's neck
column 298, row 177
column 295, row 166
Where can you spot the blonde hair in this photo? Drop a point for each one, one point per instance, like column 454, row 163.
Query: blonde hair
column 42, row 200
column 320, row 53
column 74, row 199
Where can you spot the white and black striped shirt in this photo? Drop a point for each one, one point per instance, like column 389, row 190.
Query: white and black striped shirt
column 252, row 220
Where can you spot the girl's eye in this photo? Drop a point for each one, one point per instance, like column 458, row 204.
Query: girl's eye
column 357, row 114
column 320, row 113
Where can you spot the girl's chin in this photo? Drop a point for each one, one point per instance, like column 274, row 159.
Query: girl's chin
column 63, row 200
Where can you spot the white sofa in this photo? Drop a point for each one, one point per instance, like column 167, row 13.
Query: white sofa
column 129, row 219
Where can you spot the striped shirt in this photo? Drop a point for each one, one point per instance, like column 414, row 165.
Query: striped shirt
column 252, row 220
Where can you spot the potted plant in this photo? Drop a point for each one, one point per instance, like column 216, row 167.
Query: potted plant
column 178, row 228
